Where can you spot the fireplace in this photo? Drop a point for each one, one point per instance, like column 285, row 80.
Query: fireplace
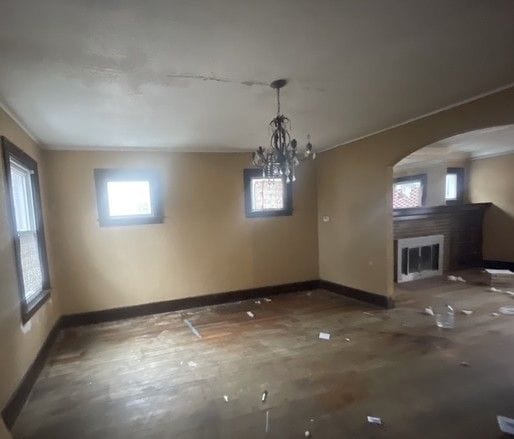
column 419, row 257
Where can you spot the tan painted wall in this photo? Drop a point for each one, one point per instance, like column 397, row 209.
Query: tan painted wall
column 354, row 189
column 19, row 344
column 492, row 179
column 206, row 244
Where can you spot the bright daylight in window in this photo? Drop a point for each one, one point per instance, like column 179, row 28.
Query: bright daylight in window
column 407, row 194
column 24, row 215
column 127, row 198
column 267, row 194
column 451, row 186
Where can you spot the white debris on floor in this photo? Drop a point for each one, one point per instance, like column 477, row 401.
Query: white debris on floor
column 507, row 310
column 464, row 363
column 324, row 336
column 374, row 420
column 429, row 311
column 250, row 314
column 495, row 290
column 466, row 312
column 193, row 329
column 192, row 364
column 266, row 299
column 307, row 433
column 225, row 397
column 264, row 396
column 495, row 314
column 347, row 339
column 267, row 427
column 506, row 424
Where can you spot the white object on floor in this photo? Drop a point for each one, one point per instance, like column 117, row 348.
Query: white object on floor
column 225, row 397
column 192, row 364
column 466, row 312
column 193, row 329
column 258, row 302
column 250, row 314
column 495, row 314
column 267, row 300
column 324, row 336
column 507, row 310
column 506, row 424
column 347, row 339
column 429, row 311
column 495, row 272
column 452, row 278
column 374, row 420
column 495, row 290
column 267, row 422
column 461, row 279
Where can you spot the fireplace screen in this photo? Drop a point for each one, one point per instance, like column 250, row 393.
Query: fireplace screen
column 419, row 257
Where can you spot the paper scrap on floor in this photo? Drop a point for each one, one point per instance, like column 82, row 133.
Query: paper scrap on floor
column 429, row 311
column 374, row 420
column 324, row 336
column 466, row 312
column 507, row 310
column 225, row 397
column 250, row 314
column 506, row 424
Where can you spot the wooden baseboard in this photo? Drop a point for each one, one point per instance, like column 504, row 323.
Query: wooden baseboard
column 189, row 302
column 499, row 265
column 15, row 403
column 354, row 293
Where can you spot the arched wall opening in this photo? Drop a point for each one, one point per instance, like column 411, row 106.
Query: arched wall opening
column 356, row 247
column 459, row 191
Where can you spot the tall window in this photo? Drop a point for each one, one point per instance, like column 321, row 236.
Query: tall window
column 454, row 185
column 409, row 191
column 27, row 228
column 266, row 196
column 128, row 196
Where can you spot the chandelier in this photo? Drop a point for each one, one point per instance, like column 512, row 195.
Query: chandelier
column 282, row 157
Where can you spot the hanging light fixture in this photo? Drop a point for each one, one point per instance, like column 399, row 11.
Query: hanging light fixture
column 282, row 157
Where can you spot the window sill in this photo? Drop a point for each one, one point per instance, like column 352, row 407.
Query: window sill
column 30, row 308
column 269, row 213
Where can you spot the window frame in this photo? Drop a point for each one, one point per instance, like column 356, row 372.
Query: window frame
column 413, row 178
column 460, row 186
column 287, row 210
column 103, row 176
column 9, row 150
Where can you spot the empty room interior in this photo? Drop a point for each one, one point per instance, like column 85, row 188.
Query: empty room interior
column 276, row 219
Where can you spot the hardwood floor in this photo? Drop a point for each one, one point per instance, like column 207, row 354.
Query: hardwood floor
column 153, row 377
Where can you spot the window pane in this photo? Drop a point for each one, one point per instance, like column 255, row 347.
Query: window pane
column 407, row 194
column 451, row 186
column 267, row 194
column 23, row 202
column 22, row 198
column 30, row 264
column 129, row 198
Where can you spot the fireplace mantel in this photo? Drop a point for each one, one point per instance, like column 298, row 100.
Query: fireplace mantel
column 426, row 212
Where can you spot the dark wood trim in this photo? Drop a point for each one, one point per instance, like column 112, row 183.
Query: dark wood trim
column 461, row 189
column 18, row 398
column 498, row 265
column 188, row 302
column 417, row 177
column 28, row 309
column 248, row 175
column 354, row 293
column 102, row 176
column 424, row 212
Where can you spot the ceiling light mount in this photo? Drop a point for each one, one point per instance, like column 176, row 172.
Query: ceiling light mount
column 282, row 157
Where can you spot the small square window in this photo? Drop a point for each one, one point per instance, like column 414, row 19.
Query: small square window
column 128, row 197
column 409, row 191
column 266, row 196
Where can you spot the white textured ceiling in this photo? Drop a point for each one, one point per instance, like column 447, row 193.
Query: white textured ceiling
column 192, row 75
column 468, row 146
